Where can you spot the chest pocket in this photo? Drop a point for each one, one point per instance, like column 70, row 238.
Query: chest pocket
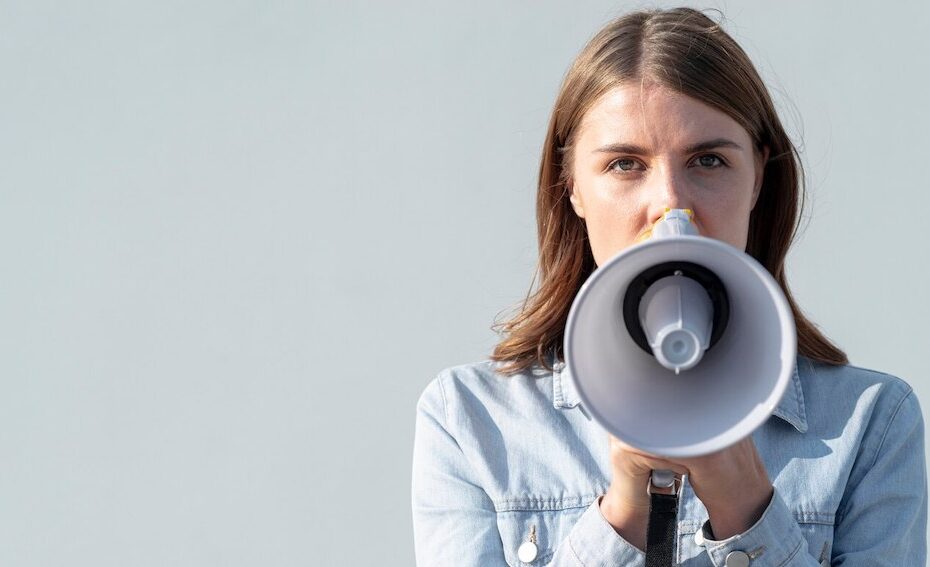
column 547, row 527
column 819, row 536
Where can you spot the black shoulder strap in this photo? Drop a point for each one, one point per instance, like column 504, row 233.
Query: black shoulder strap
column 660, row 533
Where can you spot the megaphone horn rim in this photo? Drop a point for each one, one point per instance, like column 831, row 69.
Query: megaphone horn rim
column 664, row 250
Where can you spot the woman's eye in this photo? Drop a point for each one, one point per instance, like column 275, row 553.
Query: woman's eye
column 709, row 161
column 623, row 164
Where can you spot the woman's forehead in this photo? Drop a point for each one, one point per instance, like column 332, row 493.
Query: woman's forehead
column 652, row 116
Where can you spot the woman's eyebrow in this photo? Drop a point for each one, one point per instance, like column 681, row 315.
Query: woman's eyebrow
column 716, row 143
column 621, row 149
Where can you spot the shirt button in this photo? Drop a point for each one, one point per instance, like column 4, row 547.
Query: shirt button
column 527, row 552
column 737, row 559
column 699, row 537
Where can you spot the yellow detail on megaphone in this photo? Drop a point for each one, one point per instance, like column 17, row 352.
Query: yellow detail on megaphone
column 647, row 234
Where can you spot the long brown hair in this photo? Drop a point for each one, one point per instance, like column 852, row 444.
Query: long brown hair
column 683, row 50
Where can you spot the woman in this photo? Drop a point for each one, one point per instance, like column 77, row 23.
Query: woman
column 662, row 109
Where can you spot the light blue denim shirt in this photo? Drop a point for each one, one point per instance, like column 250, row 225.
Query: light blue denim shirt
column 500, row 460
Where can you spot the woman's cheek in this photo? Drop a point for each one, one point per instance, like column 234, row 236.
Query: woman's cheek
column 608, row 241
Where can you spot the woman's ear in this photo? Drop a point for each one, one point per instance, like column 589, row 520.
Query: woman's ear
column 575, row 201
column 762, row 159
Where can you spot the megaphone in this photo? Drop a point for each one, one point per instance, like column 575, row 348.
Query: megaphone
column 680, row 345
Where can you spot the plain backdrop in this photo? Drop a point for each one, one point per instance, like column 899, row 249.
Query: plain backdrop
column 238, row 238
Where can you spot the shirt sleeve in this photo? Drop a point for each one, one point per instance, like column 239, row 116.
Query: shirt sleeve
column 593, row 541
column 882, row 518
column 454, row 519
column 774, row 540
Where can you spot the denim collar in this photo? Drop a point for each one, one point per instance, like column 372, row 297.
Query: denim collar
column 790, row 408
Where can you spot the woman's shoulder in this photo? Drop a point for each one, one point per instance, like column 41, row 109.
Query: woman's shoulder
column 850, row 373
column 849, row 378
column 851, row 392
column 482, row 384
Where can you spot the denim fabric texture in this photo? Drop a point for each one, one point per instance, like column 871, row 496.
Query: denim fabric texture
column 498, row 458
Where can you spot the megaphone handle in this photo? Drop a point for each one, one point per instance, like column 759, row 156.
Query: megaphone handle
column 662, row 479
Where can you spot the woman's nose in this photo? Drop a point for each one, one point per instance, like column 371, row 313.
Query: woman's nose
column 668, row 191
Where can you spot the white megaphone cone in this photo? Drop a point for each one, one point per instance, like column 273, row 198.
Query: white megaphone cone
column 680, row 345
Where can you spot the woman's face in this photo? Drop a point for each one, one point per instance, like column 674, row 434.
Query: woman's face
column 642, row 149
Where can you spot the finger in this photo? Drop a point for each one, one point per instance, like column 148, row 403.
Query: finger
column 648, row 460
column 646, row 463
column 659, row 464
column 618, row 444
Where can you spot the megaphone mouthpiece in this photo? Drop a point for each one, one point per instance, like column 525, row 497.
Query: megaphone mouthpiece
column 675, row 222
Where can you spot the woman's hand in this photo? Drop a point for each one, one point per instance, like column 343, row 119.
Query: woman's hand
column 732, row 484
column 626, row 504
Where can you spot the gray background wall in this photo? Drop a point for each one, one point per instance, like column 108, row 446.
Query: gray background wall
column 238, row 238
